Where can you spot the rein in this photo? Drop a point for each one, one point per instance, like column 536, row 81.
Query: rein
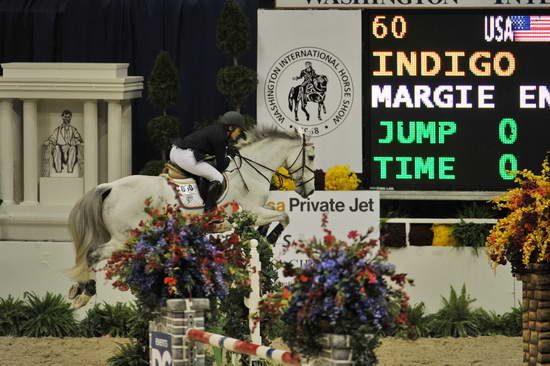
column 254, row 165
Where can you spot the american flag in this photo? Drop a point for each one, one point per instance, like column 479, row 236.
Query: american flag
column 534, row 28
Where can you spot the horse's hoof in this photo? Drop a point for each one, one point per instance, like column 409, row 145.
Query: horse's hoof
column 74, row 291
column 81, row 301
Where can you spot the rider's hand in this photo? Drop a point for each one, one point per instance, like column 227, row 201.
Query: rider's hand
column 232, row 150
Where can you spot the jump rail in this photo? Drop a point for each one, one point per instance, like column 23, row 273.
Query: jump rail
column 177, row 338
column 243, row 347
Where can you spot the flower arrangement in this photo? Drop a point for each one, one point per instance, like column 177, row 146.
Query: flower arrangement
column 341, row 178
column 522, row 237
column 344, row 289
column 168, row 256
column 282, row 180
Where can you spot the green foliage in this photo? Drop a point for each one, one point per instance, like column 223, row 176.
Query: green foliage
column 456, row 318
column 152, row 167
column 419, row 323
column 107, row 319
column 128, row 354
column 511, row 323
column 135, row 353
column 13, row 314
column 163, row 85
column 475, row 211
column 470, row 234
column 488, row 322
column 161, row 129
column 49, row 316
column 232, row 32
column 236, row 83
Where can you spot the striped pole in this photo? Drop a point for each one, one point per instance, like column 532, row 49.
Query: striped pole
column 238, row 346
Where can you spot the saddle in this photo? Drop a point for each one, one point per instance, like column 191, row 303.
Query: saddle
column 191, row 189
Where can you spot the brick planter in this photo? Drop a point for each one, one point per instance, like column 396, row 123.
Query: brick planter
column 536, row 315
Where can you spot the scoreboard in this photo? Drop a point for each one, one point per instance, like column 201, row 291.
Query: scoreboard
column 454, row 100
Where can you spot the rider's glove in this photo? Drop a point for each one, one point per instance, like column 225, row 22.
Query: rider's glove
column 232, row 151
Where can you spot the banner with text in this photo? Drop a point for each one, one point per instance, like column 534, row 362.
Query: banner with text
column 440, row 4
column 309, row 73
column 346, row 211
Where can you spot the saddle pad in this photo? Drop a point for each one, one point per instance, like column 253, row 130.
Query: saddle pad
column 189, row 193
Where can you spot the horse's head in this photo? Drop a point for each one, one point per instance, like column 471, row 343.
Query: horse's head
column 320, row 83
column 301, row 166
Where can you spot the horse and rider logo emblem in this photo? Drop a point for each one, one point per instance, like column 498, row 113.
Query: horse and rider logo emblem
column 309, row 88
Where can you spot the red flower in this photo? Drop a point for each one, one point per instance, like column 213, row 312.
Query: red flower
column 170, row 281
column 220, row 258
column 372, row 277
column 234, row 239
column 286, row 293
column 303, row 278
column 329, row 238
column 353, row 234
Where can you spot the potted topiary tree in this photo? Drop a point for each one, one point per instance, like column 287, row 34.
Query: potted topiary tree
column 163, row 89
column 235, row 82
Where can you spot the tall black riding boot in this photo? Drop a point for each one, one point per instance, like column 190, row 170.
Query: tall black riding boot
column 214, row 191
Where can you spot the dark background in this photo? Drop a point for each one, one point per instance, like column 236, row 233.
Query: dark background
column 475, row 145
column 134, row 32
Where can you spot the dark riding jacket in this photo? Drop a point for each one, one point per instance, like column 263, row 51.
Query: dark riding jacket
column 209, row 140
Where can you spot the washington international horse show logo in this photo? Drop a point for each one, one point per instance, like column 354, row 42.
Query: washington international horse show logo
column 309, row 88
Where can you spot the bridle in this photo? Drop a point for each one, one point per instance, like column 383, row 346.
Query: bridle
column 254, row 165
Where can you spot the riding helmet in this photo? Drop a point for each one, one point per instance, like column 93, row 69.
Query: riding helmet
column 233, row 118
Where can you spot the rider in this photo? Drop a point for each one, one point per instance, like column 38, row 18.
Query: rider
column 308, row 74
column 189, row 153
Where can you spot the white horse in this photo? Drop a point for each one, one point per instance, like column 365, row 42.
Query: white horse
column 101, row 220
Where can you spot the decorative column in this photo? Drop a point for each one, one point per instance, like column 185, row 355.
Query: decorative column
column 126, row 138
column 7, row 151
column 90, row 145
column 114, row 140
column 30, row 152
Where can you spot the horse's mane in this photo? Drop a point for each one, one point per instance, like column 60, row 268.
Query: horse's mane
column 259, row 134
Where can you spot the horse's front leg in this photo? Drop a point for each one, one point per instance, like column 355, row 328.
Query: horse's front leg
column 303, row 107
column 266, row 216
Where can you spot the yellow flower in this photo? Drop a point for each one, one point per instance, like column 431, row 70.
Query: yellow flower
column 522, row 237
column 341, row 178
column 282, row 180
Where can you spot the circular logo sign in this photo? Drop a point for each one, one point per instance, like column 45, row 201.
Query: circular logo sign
column 309, row 88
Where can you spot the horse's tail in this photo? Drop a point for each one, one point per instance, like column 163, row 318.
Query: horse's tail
column 291, row 98
column 87, row 228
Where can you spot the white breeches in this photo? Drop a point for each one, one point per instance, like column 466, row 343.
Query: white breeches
column 186, row 160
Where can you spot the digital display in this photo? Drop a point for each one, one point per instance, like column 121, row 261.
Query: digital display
column 454, row 100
